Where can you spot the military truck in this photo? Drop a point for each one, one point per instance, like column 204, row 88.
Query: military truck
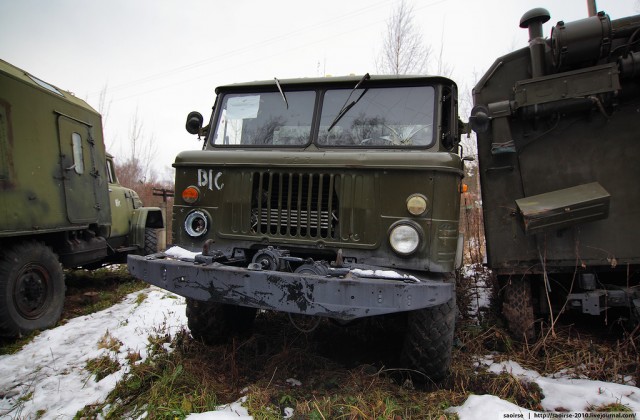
column 60, row 202
column 557, row 132
column 332, row 197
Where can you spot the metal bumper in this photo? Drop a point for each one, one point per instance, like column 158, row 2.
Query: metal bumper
column 344, row 298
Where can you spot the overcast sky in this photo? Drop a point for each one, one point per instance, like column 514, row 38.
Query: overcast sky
column 163, row 58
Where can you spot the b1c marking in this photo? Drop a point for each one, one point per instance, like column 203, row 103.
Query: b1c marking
column 210, row 179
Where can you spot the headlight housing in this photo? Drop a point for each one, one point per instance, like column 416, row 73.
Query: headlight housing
column 196, row 224
column 405, row 238
column 417, row 204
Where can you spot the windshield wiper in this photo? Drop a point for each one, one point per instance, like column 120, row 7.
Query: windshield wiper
column 281, row 92
column 345, row 108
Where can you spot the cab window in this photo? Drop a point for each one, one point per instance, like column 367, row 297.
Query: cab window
column 265, row 119
column 378, row 117
column 78, row 161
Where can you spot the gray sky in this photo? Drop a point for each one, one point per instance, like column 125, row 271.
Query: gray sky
column 164, row 58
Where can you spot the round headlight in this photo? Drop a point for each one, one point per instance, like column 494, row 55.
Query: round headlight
column 196, row 224
column 404, row 239
column 417, row 204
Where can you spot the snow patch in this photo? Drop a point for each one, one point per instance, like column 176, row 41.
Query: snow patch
column 181, row 253
column 384, row 274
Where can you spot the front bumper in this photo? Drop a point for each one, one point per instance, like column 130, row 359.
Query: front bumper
column 345, row 298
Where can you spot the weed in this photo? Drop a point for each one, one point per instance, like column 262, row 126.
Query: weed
column 140, row 298
column 610, row 408
column 109, row 342
column 14, row 345
column 166, row 385
column 95, row 290
column 102, row 366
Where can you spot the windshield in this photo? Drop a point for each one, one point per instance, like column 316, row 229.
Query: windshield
column 264, row 119
column 365, row 117
column 400, row 116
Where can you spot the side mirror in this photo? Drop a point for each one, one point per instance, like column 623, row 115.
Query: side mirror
column 194, row 122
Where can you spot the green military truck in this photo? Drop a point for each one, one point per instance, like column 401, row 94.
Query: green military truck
column 334, row 197
column 60, row 200
column 558, row 128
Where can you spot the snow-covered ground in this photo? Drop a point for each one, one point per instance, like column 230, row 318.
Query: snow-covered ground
column 49, row 376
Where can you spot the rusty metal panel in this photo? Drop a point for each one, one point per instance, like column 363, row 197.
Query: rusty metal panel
column 563, row 208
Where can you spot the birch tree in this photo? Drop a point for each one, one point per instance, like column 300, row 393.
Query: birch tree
column 403, row 48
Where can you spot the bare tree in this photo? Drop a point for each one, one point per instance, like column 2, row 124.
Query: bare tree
column 137, row 167
column 443, row 68
column 403, row 49
column 103, row 108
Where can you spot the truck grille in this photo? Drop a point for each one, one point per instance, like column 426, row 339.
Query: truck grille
column 301, row 205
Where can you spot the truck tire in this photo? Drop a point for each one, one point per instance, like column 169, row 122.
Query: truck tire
column 150, row 241
column 32, row 289
column 428, row 341
column 517, row 308
column 215, row 323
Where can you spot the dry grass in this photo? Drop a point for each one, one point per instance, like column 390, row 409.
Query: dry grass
column 351, row 373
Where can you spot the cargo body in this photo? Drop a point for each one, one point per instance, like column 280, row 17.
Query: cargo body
column 557, row 128
column 60, row 201
column 335, row 197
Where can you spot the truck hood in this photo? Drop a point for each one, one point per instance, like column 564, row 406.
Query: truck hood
column 386, row 159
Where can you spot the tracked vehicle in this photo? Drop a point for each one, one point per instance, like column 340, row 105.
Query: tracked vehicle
column 557, row 128
column 332, row 197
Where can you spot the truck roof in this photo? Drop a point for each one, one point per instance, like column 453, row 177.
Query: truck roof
column 347, row 81
column 26, row 77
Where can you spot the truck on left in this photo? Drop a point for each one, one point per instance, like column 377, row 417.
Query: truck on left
column 60, row 202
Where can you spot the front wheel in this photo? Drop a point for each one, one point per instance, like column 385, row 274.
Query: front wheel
column 428, row 341
column 150, row 241
column 31, row 289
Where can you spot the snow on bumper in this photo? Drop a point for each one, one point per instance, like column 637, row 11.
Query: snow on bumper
column 360, row 293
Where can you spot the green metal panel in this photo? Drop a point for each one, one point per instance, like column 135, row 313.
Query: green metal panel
column 563, row 208
column 544, row 134
column 38, row 191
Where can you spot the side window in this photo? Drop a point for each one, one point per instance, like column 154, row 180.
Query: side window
column 111, row 173
column 78, row 161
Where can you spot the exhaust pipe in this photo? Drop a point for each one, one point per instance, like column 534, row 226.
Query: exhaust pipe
column 533, row 21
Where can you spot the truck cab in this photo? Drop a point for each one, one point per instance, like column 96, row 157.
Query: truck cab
column 332, row 197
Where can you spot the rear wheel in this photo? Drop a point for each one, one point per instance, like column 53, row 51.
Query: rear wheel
column 517, row 308
column 215, row 323
column 429, row 340
column 31, row 289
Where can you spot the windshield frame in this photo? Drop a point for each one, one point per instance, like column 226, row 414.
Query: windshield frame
column 320, row 87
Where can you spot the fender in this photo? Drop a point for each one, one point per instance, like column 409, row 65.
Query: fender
column 142, row 218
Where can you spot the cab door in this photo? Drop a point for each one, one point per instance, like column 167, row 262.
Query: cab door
column 80, row 178
column 121, row 204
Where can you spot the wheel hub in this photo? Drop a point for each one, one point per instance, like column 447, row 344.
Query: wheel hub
column 32, row 288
